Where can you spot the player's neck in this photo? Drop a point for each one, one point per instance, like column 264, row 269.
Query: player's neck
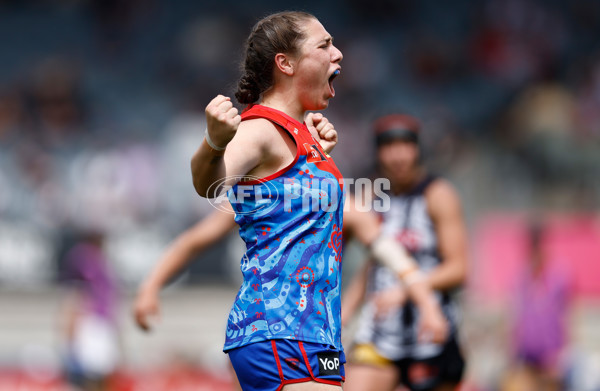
column 285, row 102
column 406, row 186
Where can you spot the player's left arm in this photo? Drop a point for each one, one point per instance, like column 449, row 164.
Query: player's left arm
column 180, row 253
column 446, row 212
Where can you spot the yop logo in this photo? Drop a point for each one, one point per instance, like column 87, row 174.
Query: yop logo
column 329, row 363
column 260, row 195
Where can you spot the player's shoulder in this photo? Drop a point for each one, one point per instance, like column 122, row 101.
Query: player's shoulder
column 441, row 192
column 256, row 131
column 440, row 185
column 258, row 126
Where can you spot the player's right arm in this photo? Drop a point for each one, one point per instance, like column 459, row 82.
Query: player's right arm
column 241, row 151
column 181, row 251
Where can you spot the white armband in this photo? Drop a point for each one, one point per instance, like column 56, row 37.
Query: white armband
column 211, row 143
column 393, row 255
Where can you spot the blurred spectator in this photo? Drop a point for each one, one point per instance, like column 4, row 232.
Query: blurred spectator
column 542, row 127
column 540, row 336
column 588, row 100
column 517, row 40
column 92, row 347
column 115, row 21
column 57, row 104
column 12, row 113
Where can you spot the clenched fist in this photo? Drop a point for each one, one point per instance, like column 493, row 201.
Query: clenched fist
column 322, row 130
column 222, row 120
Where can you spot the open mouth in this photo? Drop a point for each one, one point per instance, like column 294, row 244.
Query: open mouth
column 330, row 81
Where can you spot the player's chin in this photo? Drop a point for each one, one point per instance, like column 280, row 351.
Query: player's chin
column 321, row 105
column 325, row 101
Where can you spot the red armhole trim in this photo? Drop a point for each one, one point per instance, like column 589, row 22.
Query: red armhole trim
column 284, row 169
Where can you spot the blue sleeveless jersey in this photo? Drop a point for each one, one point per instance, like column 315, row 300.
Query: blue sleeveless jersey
column 291, row 222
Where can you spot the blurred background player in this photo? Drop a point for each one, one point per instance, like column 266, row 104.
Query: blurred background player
column 424, row 216
column 541, row 312
column 92, row 350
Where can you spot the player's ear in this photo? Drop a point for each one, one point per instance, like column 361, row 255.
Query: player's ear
column 285, row 63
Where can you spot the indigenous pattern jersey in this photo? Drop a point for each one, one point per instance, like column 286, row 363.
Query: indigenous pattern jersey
column 291, row 223
column 395, row 334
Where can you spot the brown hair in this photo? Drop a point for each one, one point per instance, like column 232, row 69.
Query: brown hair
column 276, row 33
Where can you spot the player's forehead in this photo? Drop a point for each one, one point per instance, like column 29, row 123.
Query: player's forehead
column 315, row 32
column 398, row 143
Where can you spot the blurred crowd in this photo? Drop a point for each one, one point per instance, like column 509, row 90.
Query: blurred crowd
column 102, row 101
